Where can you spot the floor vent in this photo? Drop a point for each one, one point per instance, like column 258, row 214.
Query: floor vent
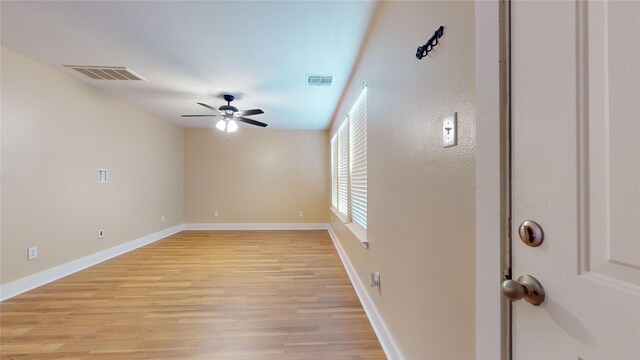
column 319, row 80
column 105, row 72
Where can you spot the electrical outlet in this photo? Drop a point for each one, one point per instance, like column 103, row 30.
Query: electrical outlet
column 301, row 213
column 100, row 234
column 162, row 219
column 216, row 213
column 32, row 253
column 450, row 130
column 374, row 279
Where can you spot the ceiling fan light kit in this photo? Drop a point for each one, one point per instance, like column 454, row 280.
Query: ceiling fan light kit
column 232, row 126
column 231, row 115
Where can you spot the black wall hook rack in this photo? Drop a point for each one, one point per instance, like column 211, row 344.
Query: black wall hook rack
column 425, row 49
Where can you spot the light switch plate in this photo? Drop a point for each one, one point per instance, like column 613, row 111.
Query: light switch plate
column 450, row 130
column 102, row 176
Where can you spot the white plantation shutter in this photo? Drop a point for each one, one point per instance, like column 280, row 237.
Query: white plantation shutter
column 358, row 152
column 343, row 168
column 334, row 171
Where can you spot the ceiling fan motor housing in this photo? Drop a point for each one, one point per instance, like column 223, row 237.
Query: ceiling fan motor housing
column 226, row 108
column 228, row 98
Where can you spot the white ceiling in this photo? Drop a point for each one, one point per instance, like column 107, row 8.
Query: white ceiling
column 193, row 52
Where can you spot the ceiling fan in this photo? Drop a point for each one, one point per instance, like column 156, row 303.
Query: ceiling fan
column 230, row 115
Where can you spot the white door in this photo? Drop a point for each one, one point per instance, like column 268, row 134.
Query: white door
column 576, row 172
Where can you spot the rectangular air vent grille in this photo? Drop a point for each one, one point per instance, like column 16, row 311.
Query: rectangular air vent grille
column 319, row 80
column 105, row 72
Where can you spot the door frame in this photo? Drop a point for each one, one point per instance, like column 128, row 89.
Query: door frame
column 492, row 177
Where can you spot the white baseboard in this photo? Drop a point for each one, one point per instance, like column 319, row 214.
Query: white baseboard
column 384, row 336
column 257, row 226
column 27, row 283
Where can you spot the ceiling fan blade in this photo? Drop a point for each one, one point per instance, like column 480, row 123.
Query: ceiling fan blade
column 250, row 112
column 249, row 121
column 199, row 115
column 208, row 107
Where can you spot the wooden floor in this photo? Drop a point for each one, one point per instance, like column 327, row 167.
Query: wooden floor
column 198, row 295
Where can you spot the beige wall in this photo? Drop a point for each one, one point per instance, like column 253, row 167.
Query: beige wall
column 421, row 196
column 259, row 176
column 56, row 133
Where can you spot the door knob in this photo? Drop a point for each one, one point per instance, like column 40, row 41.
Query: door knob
column 526, row 287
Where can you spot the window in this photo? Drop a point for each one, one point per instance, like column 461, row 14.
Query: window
column 358, row 159
column 334, row 171
column 349, row 165
column 343, row 168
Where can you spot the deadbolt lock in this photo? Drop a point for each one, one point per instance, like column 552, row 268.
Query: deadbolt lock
column 531, row 233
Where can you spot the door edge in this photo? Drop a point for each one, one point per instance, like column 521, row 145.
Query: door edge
column 492, row 177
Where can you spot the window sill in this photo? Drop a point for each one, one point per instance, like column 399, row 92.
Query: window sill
column 359, row 233
column 356, row 230
column 340, row 216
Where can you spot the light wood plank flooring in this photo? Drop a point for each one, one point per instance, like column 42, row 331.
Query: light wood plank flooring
column 198, row 295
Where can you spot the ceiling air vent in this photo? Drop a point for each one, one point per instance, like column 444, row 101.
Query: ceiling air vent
column 105, row 72
column 319, row 80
